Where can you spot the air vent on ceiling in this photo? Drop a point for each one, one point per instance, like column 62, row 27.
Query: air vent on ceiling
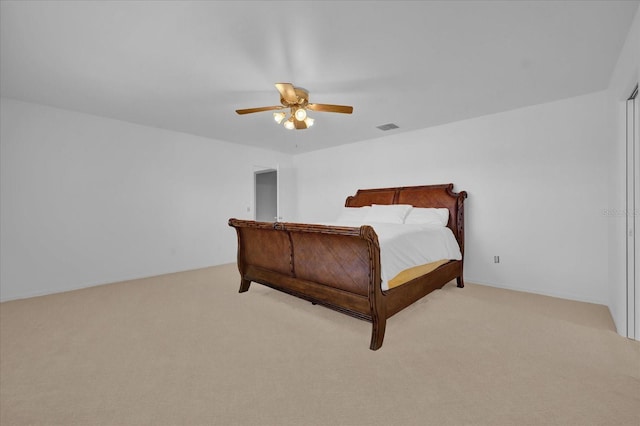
column 386, row 127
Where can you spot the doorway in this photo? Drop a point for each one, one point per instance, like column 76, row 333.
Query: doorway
column 266, row 193
column 632, row 213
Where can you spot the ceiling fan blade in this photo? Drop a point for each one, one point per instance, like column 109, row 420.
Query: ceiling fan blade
column 250, row 110
column 287, row 92
column 299, row 124
column 344, row 109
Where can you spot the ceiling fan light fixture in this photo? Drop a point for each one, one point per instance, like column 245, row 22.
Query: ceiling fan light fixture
column 279, row 116
column 300, row 114
column 309, row 121
column 289, row 124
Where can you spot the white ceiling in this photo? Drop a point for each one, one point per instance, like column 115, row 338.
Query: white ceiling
column 188, row 65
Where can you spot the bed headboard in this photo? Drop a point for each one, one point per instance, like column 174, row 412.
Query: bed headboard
column 438, row 196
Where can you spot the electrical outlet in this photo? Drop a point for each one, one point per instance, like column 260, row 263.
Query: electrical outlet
column 496, row 259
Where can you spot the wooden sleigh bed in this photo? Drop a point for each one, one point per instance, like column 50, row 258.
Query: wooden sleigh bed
column 339, row 267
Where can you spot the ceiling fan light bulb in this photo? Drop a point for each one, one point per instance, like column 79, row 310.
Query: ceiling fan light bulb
column 301, row 114
column 309, row 121
column 289, row 124
column 279, row 116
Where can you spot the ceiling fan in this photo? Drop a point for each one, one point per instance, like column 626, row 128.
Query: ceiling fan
column 296, row 100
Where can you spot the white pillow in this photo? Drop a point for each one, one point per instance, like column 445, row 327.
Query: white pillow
column 353, row 214
column 391, row 213
column 428, row 216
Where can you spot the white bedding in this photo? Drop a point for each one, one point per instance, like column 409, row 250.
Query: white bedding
column 404, row 246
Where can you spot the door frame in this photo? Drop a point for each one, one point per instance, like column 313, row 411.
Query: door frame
column 632, row 214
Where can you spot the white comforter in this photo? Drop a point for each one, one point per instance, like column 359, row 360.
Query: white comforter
column 404, row 246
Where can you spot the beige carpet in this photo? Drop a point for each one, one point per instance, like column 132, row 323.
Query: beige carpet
column 187, row 349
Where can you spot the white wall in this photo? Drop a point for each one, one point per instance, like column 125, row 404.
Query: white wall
column 625, row 76
column 537, row 184
column 86, row 200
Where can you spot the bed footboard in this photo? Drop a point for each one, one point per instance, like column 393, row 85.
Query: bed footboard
column 338, row 267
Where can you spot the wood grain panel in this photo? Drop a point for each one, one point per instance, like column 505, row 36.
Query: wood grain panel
column 267, row 248
column 369, row 197
column 335, row 260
